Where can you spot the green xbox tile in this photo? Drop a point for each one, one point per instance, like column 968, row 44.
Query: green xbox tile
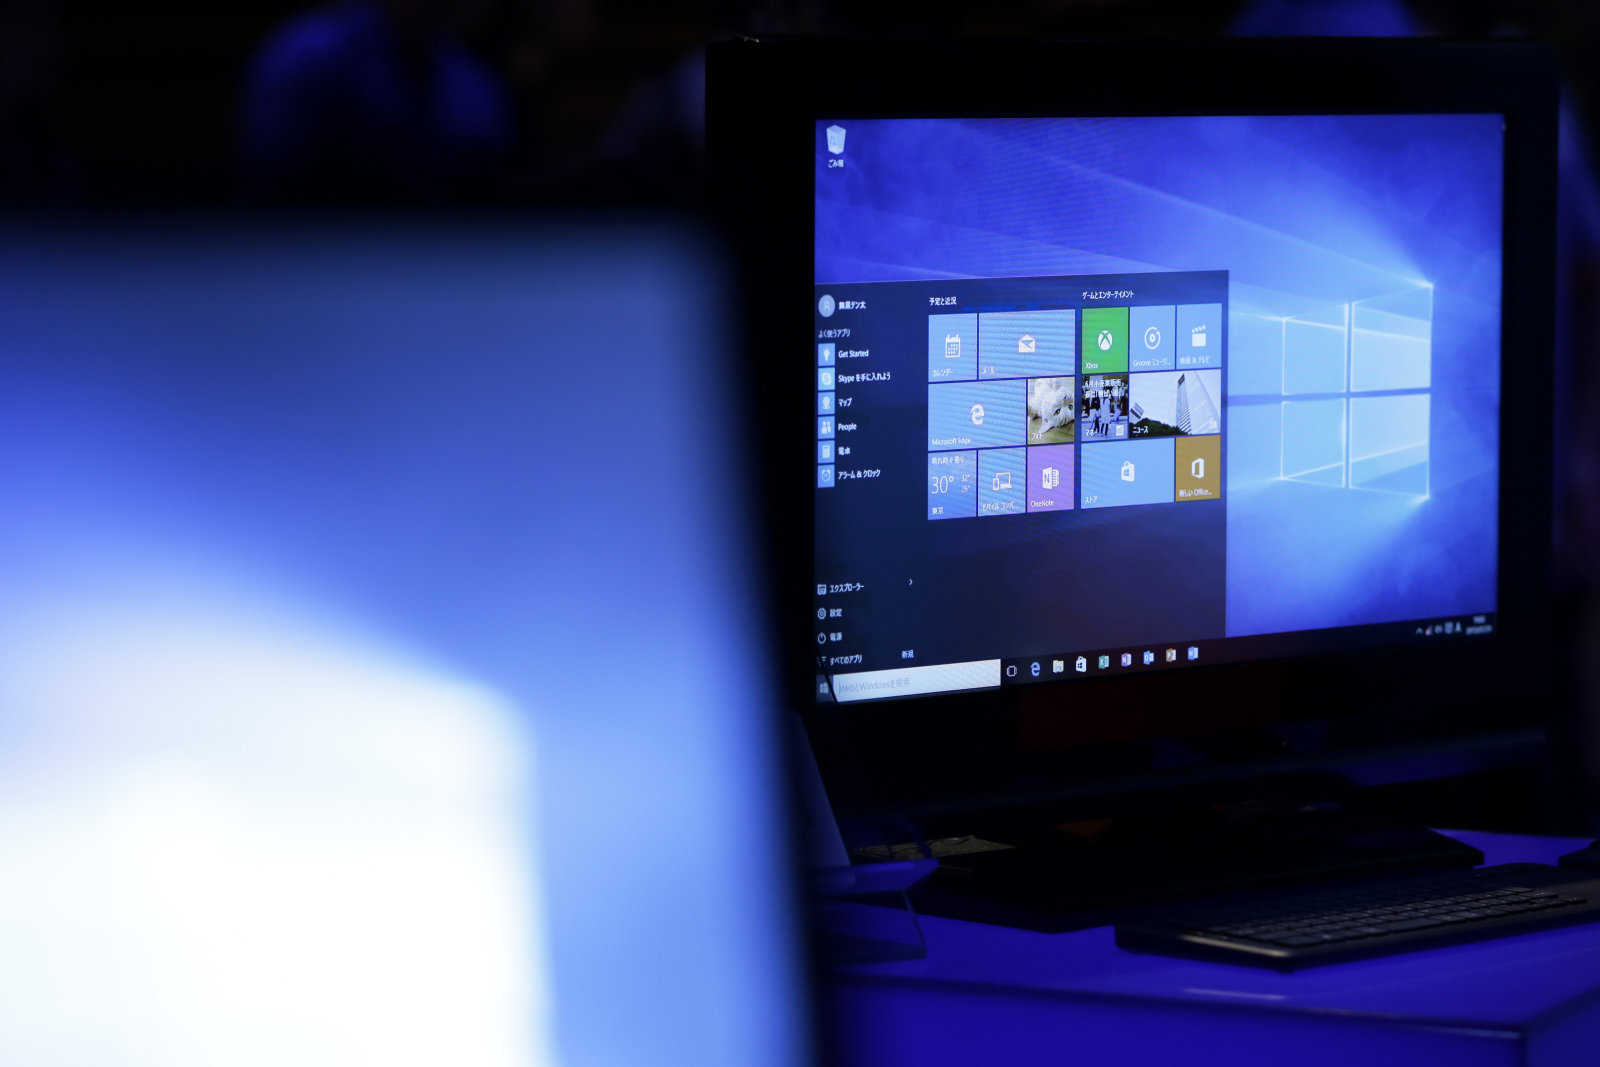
column 1105, row 339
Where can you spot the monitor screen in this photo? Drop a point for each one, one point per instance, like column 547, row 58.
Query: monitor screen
column 1119, row 395
column 1155, row 435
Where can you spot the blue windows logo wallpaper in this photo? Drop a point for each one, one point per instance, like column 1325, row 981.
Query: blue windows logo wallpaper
column 1363, row 320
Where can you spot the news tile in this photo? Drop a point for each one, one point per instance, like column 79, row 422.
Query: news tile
column 1103, row 407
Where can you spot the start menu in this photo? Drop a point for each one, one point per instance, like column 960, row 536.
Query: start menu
column 1085, row 414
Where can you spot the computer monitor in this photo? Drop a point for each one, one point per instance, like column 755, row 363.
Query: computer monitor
column 1168, row 418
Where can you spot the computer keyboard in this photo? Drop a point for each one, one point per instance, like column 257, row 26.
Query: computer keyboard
column 1291, row 929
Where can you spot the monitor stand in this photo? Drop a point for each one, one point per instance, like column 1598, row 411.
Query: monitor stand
column 1074, row 876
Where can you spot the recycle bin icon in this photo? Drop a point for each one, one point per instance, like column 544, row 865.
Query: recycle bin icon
column 836, row 140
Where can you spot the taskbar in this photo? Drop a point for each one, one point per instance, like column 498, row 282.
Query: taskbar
column 942, row 678
column 1026, row 670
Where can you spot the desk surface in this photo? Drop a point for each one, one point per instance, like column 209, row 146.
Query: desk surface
column 1532, row 998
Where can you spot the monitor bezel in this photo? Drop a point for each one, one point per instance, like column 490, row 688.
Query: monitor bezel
column 948, row 758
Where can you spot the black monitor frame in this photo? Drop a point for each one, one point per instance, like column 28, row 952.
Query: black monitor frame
column 961, row 763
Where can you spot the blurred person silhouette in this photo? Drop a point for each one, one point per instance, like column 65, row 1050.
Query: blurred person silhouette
column 34, row 165
column 375, row 101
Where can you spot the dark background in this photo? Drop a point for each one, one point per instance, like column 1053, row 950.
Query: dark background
column 139, row 100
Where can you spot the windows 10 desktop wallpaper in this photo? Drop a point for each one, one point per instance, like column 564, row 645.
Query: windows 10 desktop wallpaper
column 1363, row 319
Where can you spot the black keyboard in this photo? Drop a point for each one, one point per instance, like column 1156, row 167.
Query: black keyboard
column 1291, row 929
